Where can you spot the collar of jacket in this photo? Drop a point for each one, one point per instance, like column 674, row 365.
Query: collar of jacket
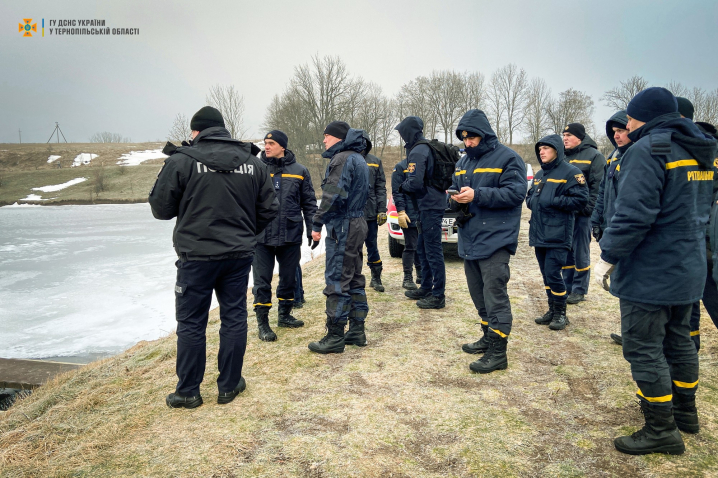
column 549, row 166
column 624, row 148
column 409, row 146
column 285, row 160
column 215, row 133
column 483, row 148
column 644, row 130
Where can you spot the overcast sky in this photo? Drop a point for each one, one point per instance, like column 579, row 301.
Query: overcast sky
column 135, row 85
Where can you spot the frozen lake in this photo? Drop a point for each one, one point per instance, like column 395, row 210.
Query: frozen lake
column 86, row 280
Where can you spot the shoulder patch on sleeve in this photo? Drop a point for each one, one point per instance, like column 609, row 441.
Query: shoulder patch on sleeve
column 412, row 167
column 580, row 178
column 715, row 163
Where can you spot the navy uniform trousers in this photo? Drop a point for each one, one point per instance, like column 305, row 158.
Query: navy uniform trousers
column 372, row 246
column 346, row 297
column 577, row 270
column 710, row 302
column 410, row 256
column 551, row 262
column 288, row 257
column 487, row 279
column 193, row 296
column 431, row 252
column 657, row 343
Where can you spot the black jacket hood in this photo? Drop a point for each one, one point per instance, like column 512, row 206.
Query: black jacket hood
column 619, row 120
column 368, row 143
column 215, row 148
column 353, row 142
column 476, row 122
column 411, row 130
column 556, row 142
column 685, row 133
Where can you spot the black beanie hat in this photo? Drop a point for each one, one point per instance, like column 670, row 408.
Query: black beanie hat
column 338, row 129
column 279, row 137
column 205, row 118
column 652, row 103
column 576, row 129
column 685, row 107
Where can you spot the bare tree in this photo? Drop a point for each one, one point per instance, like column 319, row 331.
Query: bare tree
column 571, row 106
column 510, row 85
column 677, row 88
column 375, row 115
column 414, row 98
column 107, row 137
column 618, row 97
column 474, row 91
column 496, row 109
column 180, row 130
column 230, row 103
column 537, row 121
column 446, row 98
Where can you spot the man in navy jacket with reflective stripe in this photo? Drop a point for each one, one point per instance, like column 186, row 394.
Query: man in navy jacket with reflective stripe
column 491, row 179
column 656, row 242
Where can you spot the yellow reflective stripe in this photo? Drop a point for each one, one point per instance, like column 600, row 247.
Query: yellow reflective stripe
column 695, row 332
column 266, row 305
column 272, row 175
column 618, row 167
column 558, row 293
column 459, row 173
column 488, row 170
column 580, row 161
column 556, row 180
column 483, row 322
column 499, row 332
column 285, row 299
column 406, row 170
column 685, row 385
column 681, row 163
column 585, row 269
column 372, row 164
column 609, row 161
column 568, row 267
column 547, row 288
column 665, row 398
column 293, row 176
column 377, row 262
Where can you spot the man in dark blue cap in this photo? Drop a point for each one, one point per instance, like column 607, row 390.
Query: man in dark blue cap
column 282, row 239
column 654, row 253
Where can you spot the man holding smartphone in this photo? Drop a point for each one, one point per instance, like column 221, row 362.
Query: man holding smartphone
column 491, row 184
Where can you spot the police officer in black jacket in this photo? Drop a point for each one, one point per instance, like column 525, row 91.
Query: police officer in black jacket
column 375, row 214
column 581, row 151
column 222, row 197
column 558, row 192
column 491, row 179
column 282, row 239
column 656, row 244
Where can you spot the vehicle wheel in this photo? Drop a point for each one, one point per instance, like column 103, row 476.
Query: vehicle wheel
column 396, row 248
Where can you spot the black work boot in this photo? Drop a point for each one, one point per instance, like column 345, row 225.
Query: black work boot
column 659, row 435
column 298, row 304
column 333, row 342
column 175, row 400
column 285, row 318
column 408, row 283
column 685, row 413
column 355, row 335
column 418, row 275
column 494, row 358
column 376, row 277
column 265, row 332
column 546, row 318
column 617, row 338
column 417, row 294
column 575, row 298
column 480, row 346
column 559, row 321
column 431, row 302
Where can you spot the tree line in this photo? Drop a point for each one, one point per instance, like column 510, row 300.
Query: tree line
column 521, row 109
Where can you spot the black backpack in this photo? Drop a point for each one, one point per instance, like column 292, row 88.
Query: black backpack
column 445, row 158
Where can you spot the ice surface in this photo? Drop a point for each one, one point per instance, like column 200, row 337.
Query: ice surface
column 133, row 158
column 83, row 158
column 57, row 187
column 53, row 158
column 84, row 280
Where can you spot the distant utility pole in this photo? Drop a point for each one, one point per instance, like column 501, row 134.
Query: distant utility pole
column 20, row 133
column 58, row 131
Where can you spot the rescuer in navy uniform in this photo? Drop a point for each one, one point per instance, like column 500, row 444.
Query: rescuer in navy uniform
column 282, row 238
column 581, row 151
column 654, row 253
column 408, row 218
column 491, row 179
column 375, row 214
column 222, row 197
column 558, row 192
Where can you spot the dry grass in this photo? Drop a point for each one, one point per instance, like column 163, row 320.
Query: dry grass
column 406, row 405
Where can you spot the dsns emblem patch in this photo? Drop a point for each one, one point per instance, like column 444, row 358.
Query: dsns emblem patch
column 412, row 167
column 580, row 178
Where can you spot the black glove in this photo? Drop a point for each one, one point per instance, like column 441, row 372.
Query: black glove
column 309, row 240
column 315, row 244
column 597, row 233
column 463, row 216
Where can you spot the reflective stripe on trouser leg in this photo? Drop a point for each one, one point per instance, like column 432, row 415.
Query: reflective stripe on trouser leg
column 487, row 281
column 343, row 266
column 262, row 271
column 695, row 324
column 577, row 280
column 551, row 260
column 288, row 260
column 408, row 256
column 657, row 344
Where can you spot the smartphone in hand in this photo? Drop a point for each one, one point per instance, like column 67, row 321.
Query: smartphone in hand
column 452, row 192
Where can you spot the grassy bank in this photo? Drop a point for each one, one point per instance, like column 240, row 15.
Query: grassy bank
column 406, row 405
